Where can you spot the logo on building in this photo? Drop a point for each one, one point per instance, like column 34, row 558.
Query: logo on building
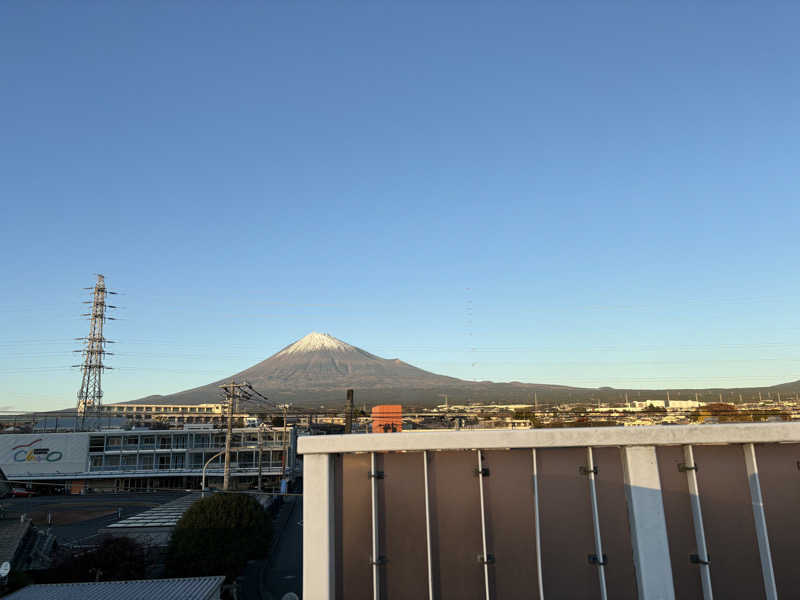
column 30, row 453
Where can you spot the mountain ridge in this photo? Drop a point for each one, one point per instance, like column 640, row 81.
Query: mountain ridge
column 318, row 368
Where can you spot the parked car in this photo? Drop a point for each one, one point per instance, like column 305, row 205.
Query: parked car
column 22, row 493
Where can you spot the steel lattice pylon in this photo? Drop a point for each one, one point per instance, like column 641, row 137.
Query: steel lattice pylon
column 90, row 396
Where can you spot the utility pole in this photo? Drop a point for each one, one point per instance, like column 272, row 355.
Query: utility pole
column 285, row 408
column 90, row 395
column 348, row 417
column 260, row 452
column 227, row 473
column 232, row 391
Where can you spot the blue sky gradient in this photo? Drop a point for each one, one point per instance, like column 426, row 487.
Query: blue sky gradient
column 586, row 194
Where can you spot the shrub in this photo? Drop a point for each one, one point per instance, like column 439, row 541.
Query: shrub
column 218, row 535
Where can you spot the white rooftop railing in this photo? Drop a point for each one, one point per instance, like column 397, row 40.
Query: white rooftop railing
column 639, row 461
column 656, row 435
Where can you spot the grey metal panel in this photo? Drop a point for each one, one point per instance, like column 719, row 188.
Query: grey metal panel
column 678, row 513
column 455, row 526
column 567, row 530
column 780, row 487
column 355, row 581
column 614, row 526
column 728, row 520
column 511, row 536
column 188, row 588
column 401, row 517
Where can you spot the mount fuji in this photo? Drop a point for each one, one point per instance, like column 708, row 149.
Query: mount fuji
column 318, row 368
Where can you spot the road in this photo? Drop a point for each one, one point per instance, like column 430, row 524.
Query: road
column 283, row 574
column 270, row 579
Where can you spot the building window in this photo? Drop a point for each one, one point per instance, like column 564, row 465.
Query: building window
column 114, row 442
column 179, row 441
column 178, row 460
column 148, row 442
column 246, row 460
column 163, row 462
column 97, row 444
column 146, row 461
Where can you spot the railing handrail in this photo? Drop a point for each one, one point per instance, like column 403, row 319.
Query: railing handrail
column 655, row 435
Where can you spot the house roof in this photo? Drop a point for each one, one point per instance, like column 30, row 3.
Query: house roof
column 188, row 588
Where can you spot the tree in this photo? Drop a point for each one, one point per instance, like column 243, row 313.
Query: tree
column 218, row 535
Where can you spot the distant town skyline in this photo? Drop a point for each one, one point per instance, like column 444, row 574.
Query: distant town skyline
column 594, row 197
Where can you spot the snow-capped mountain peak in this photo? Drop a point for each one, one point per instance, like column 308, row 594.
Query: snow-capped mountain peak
column 314, row 342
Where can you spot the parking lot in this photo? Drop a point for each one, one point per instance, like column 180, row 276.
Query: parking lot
column 76, row 519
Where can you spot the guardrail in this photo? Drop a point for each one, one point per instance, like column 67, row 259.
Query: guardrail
column 654, row 512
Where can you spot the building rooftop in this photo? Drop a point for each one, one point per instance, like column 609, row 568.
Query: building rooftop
column 12, row 532
column 189, row 588
column 166, row 515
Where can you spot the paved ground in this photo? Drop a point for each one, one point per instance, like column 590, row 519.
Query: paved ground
column 282, row 574
column 272, row 578
column 78, row 518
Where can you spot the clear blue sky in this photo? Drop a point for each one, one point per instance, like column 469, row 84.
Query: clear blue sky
column 588, row 194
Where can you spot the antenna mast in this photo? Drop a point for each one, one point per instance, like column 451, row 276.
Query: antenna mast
column 90, row 395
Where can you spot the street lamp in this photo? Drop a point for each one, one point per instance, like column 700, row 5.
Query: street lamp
column 208, row 462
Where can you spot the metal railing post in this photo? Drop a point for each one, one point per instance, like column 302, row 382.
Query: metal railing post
column 690, row 467
column 375, row 556
column 600, row 560
column 485, row 557
column 428, row 525
column 536, row 524
column 770, row 590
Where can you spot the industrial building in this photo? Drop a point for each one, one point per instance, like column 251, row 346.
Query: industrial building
column 150, row 459
column 173, row 414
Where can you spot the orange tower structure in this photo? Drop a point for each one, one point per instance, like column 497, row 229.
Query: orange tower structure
column 387, row 418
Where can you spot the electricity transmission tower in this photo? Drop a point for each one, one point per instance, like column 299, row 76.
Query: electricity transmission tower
column 90, row 396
